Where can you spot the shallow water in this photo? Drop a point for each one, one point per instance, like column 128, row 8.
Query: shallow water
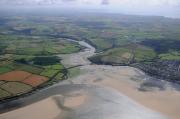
column 102, row 103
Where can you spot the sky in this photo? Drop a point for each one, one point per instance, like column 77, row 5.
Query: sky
column 169, row 8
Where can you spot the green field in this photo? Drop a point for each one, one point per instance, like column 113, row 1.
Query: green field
column 57, row 66
column 29, row 46
column 31, row 43
column 170, row 56
column 49, row 72
column 125, row 55
column 4, row 69
column 28, row 68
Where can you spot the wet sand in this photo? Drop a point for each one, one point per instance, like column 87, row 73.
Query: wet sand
column 49, row 108
column 166, row 102
column 127, row 80
column 121, row 79
column 46, row 109
column 75, row 101
column 94, row 102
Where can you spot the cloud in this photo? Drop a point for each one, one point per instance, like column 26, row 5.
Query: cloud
column 120, row 3
column 28, row 2
column 68, row 0
column 105, row 2
column 152, row 7
column 145, row 2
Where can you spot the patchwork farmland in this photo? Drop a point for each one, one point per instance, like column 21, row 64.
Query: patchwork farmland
column 17, row 79
column 28, row 63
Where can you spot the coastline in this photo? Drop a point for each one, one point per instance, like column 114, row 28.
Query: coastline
column 124, row 80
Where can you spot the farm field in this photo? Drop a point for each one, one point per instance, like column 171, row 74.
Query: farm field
column 35, row 80
column 36, row 46
column 29, row 45
column 4, row 94
column 27, row 63
column 89, row 59
column 125, row 55
column 156, row 57
column 23, row 78
column 16, row 88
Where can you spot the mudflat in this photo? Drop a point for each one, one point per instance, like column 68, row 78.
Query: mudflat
column 108, row 92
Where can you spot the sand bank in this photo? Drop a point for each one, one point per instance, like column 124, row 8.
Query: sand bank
column 46, row 109
column 122, row 79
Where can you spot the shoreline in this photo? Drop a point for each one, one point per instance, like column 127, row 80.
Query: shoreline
column 118, row 78
column 134, row 66
column 84, row 101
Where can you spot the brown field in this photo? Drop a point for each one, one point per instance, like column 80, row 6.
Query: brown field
column 16, row 87
column 35, row 80
column 19, row 82
column 15, row 76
